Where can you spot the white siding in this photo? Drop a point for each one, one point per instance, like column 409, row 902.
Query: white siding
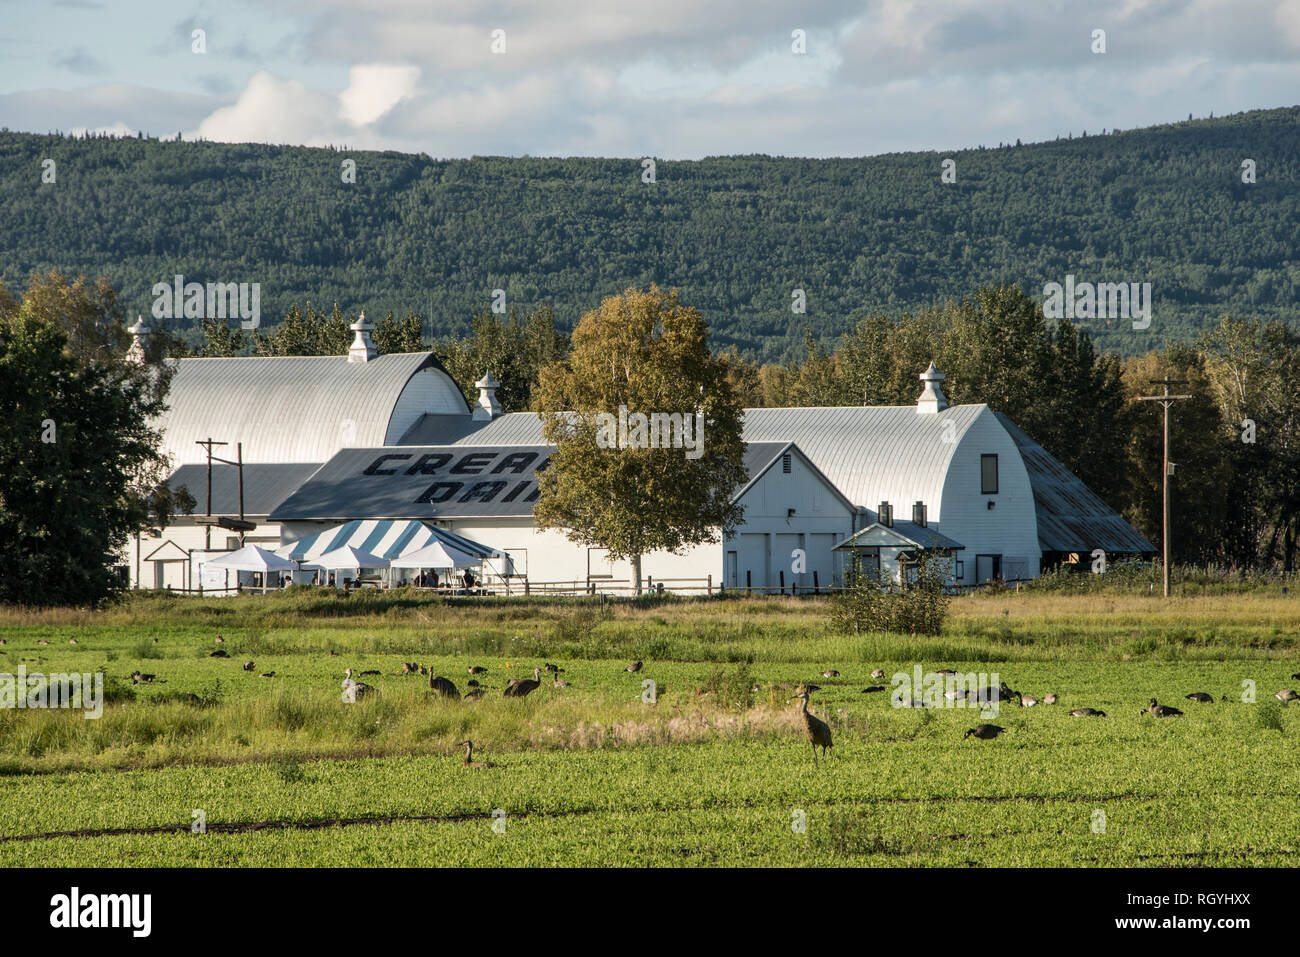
column 1010, row 529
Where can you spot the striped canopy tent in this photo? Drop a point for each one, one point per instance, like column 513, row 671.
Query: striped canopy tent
column 389, row 538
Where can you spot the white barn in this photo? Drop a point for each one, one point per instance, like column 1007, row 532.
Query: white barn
column 386, row 447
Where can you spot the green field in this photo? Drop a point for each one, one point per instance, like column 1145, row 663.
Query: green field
column 712, row 773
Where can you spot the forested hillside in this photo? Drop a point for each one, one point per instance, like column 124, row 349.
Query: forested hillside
column 1165, row 205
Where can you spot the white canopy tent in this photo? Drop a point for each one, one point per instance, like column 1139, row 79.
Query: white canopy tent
column 345, row 559
column 250, row 558
column 436, row 555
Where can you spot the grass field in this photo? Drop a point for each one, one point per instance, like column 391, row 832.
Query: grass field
column 712, row 773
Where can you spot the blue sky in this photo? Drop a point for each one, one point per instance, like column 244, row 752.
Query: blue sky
column 676, row 79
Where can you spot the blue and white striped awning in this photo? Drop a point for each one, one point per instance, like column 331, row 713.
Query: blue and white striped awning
column 390, row 539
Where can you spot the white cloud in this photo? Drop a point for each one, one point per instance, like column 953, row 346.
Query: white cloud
column 374, row 89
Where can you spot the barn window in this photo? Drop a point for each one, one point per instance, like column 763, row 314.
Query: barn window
column 785, row 463
column 988, row 475
column 918, row 514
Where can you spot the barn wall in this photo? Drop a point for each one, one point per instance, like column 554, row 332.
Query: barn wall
column 1010, row 529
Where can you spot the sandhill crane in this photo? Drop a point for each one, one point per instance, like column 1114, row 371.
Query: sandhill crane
column 1200, row 696
column 1087, row 713
column 248, row 666
column 521, row 687
column 817, row 731
column 469, row 761
column 477, row 670
column 1286, row 694
column 443, row 686
column 634, row 666
column 1050, row 698
column 1161, row 710
column 985, row 732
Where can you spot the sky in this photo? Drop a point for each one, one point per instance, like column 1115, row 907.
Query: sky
column 675, row 79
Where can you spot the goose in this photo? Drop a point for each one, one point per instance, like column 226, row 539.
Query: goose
column 469, row 761
column 72, row 641
column 559, row 683
column 220, row 639
column 477, row 670
column 985, row 732
column 873, row 689
column 218, row 654
column 1287, row 694
column 42, row 642
column 1200, row 696
column 520, row 687
column 1087, row 713
column 408, row 667
column 267, row 674
column 945, row 672
column 473, row 694
column 139, row 678
column 473, row 683
column 372, row 671
column 443, row 686
column 1050, row 698
column 1161, row 710
column 354, row 691
column 1296, row 676
column 832, row 673
column 1028, row 701
column 248, row 666
column 878, row 673
column 634, row 666
column 553, row 669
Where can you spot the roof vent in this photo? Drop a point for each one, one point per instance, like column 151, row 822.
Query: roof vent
column 932, row 397
column 488, row 406
column 135, row 354
column 363, row 347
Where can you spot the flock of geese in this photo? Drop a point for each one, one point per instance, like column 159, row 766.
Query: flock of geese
column 818, row 732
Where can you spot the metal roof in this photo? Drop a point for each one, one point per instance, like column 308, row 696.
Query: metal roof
column 436, row 481
column 419, row 482
column 1071, row 516
column 870, row 453
column 265, row 486
column 293, row 408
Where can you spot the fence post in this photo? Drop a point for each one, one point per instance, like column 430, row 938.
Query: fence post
column 710, row 584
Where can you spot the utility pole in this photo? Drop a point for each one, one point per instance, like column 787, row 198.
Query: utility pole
column 1165, row 401
column 207, row 444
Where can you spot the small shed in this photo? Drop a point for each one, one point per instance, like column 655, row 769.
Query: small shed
column 892, row 550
